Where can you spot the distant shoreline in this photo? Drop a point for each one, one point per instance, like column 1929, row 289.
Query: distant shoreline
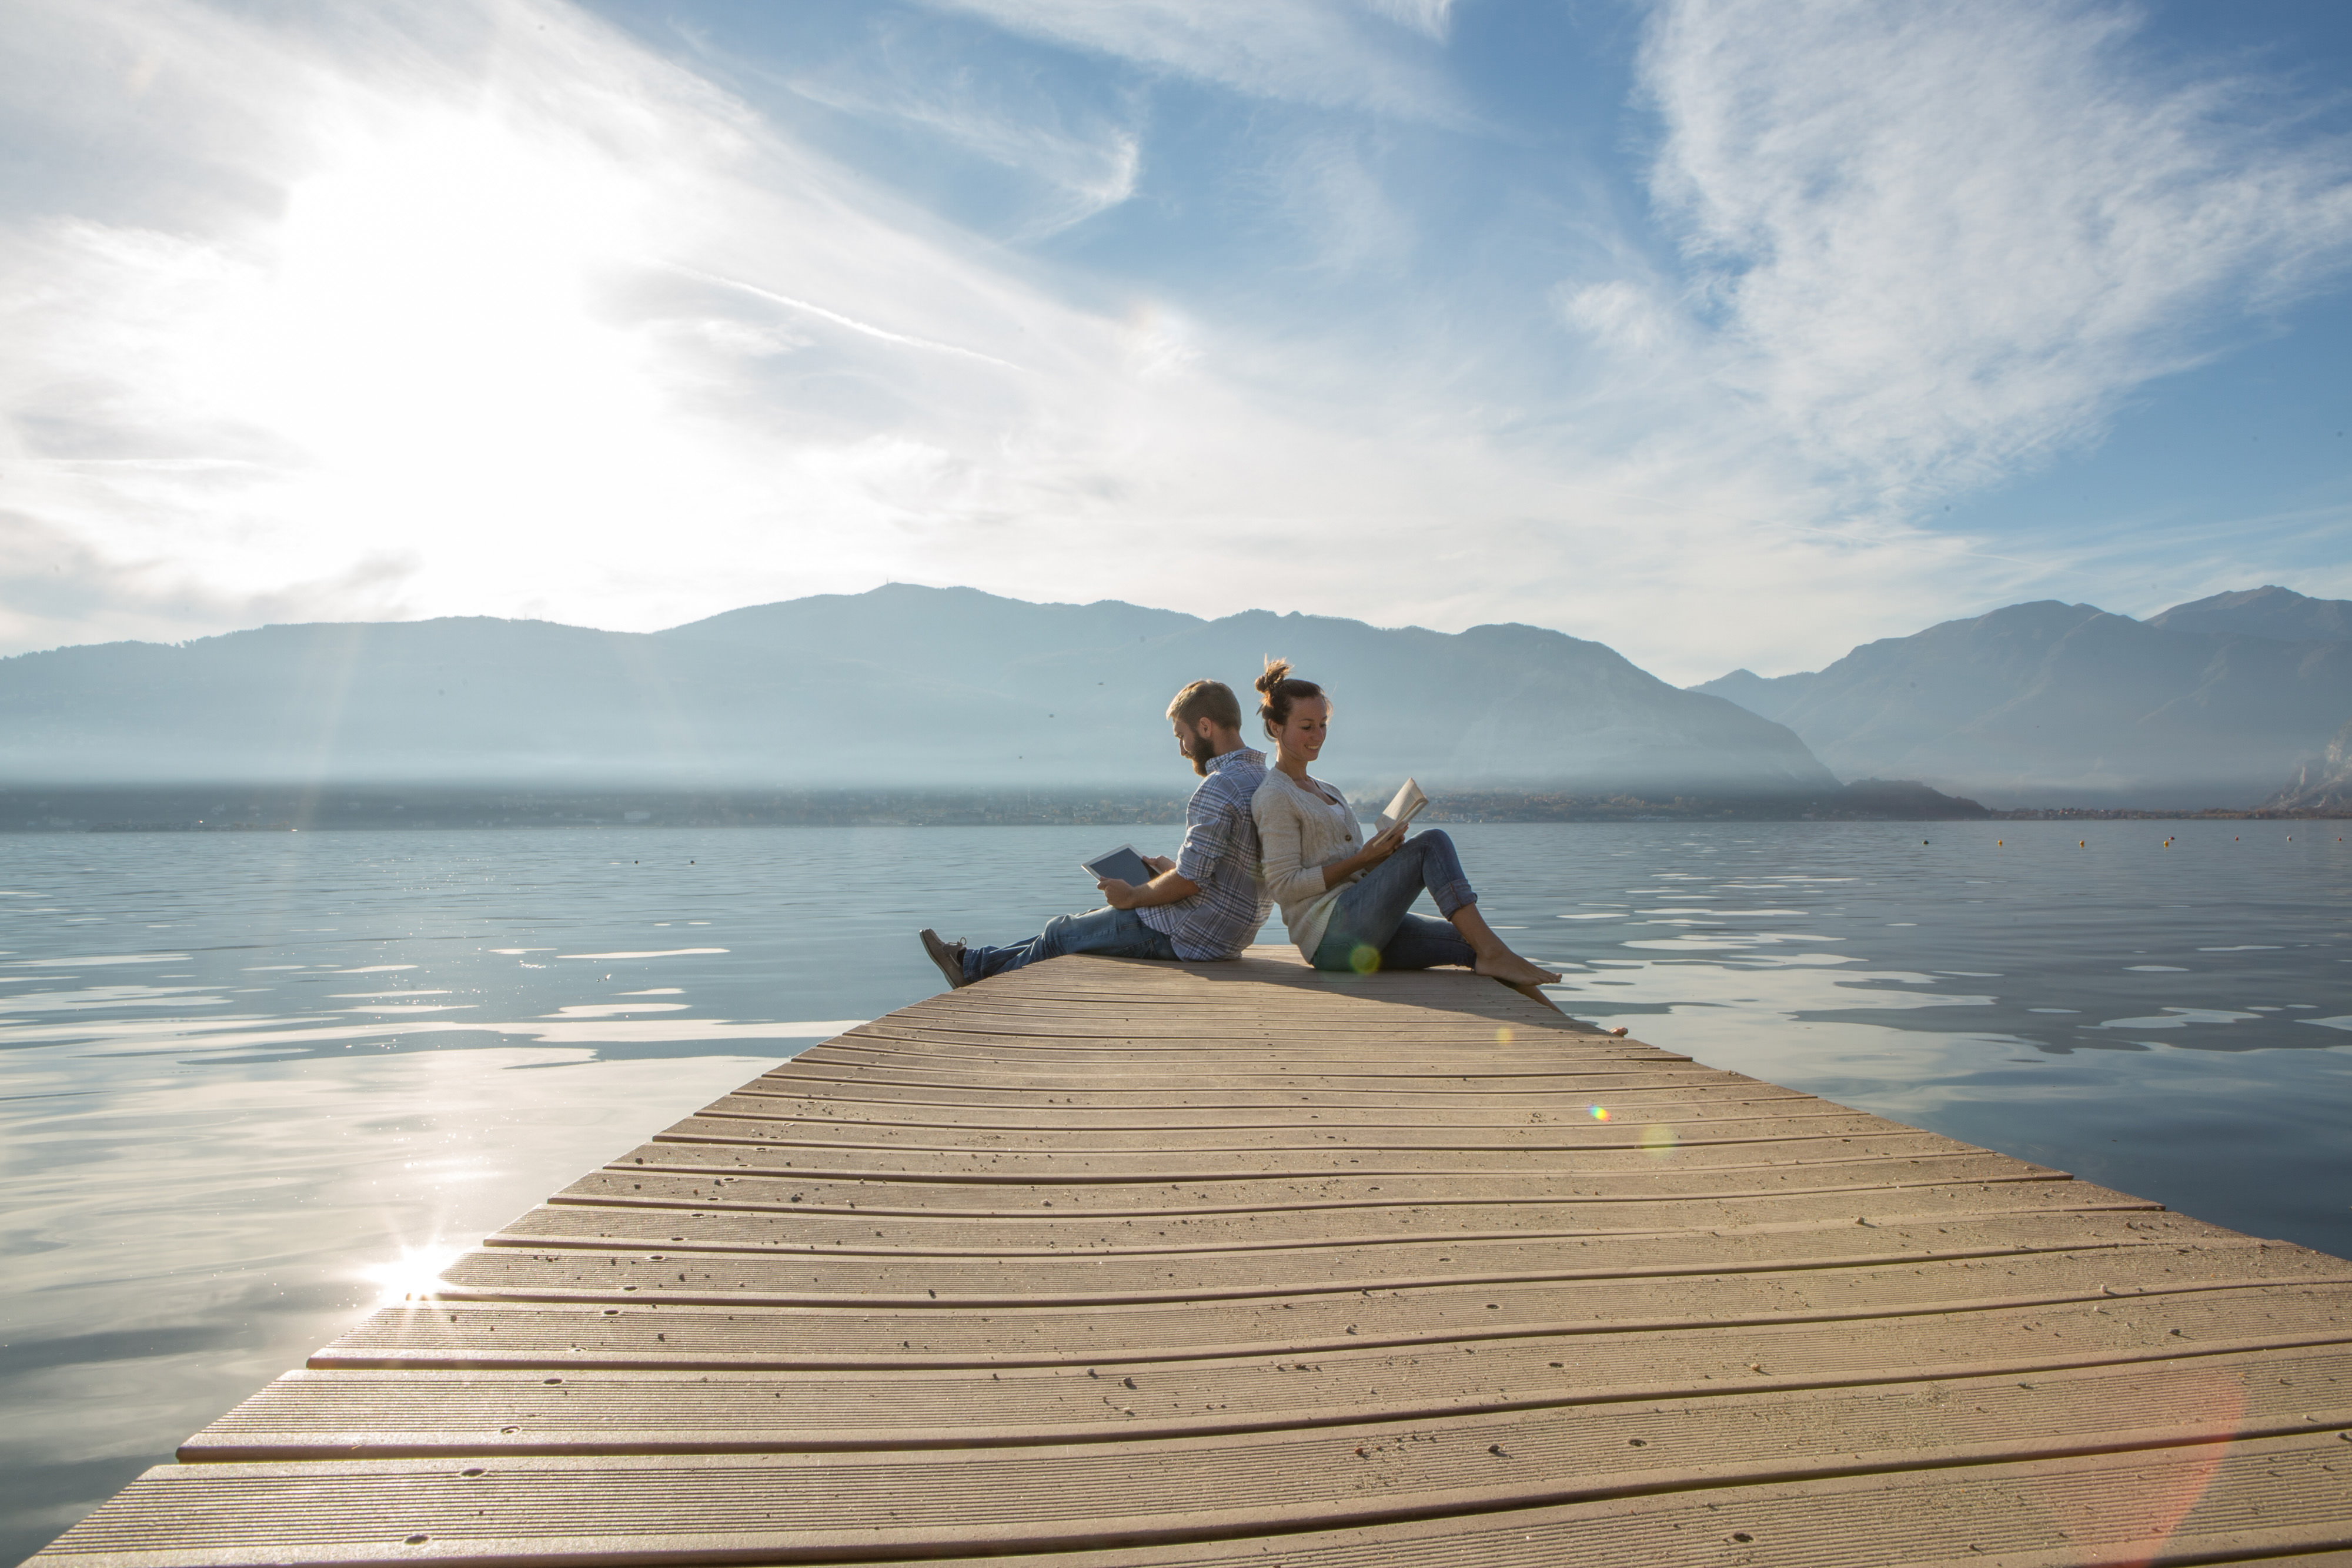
column 216, row 808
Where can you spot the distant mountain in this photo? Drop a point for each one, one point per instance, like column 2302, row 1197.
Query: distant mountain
column 901, row 685
column 2271, row 611
column 2050, row 704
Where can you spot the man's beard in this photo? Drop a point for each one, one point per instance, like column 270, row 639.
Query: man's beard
column 1201, row 750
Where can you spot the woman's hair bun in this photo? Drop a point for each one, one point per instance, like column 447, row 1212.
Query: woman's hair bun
column 1280, row 689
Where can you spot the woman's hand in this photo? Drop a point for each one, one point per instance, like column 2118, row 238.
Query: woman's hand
column 1384, row 844
column 1376, row 849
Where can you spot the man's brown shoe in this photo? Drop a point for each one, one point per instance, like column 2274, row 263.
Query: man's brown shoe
column 948, row 956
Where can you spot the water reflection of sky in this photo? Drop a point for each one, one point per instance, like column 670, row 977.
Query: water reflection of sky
column 2166, row 1020
column 249, row 1083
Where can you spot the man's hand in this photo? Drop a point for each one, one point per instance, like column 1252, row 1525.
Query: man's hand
column 1116, row 894
column 1159, row 863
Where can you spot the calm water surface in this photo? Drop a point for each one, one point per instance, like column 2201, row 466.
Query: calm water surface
column 252, row 1084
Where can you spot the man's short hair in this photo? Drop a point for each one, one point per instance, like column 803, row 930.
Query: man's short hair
column 1212, row 700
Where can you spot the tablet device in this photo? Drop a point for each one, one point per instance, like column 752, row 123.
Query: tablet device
column 1123, row 864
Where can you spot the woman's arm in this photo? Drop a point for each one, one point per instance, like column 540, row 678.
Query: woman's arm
column 1278, row 854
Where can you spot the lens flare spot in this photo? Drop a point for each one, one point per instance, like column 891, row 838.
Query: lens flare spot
column 1365, row 958
column 2133, row 1516
column 1658, row 1141
column 1599, row 1112
column 1503, row 1036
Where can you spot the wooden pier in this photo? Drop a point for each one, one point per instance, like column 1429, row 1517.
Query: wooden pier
column 1103, row 1263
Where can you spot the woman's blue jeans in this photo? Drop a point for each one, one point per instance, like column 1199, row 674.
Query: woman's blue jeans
column 1371, row 927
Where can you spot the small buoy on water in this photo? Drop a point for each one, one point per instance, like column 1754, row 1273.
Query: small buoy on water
column 2082, row 843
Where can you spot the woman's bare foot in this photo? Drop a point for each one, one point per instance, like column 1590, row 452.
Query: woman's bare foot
column 1513, row 970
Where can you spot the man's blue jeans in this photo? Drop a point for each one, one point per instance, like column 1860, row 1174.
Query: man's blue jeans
column 1114, row 932
column 1370, row 926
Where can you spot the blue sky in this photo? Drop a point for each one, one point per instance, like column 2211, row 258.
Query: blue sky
column 1726, row 333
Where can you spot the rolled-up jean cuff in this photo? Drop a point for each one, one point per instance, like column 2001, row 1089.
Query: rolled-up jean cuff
column 1454, row 895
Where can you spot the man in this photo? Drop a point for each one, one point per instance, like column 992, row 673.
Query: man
column 1204, row 904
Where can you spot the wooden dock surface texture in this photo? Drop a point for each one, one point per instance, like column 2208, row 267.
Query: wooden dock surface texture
column 1106, row 1262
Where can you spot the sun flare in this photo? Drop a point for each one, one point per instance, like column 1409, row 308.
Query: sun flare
column 414, row 1276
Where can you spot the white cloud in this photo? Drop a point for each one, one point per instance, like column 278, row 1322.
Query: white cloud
column 1087, row 162
column 1936, row 244
column 55, row 588
column 1310, row 51
column 1428, row 16
column 1333, row 200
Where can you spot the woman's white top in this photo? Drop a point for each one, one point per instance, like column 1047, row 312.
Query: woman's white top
column 1298, row 834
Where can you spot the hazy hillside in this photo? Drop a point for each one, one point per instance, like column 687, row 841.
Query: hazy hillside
column 901, row 685
column 2048, row 703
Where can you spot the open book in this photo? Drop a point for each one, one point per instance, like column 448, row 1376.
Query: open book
column 1403, row 809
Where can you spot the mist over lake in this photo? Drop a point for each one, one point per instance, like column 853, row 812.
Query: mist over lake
column 251, row 1084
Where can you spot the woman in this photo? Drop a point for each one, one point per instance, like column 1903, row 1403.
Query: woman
column 1346, row 900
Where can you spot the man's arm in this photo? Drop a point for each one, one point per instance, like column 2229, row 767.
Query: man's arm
column 1166, row 888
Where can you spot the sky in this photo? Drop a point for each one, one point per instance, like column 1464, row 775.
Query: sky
column 1728, row 332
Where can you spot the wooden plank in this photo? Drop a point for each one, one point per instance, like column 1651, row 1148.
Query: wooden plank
column 605, row 1407
column 847, row 1270
column 1125, row 1263
column 1641, row 1151
column 1812, row 1136
column 1960, row 1439
column 731, row 1328
column 759, row 1099
column 565, row 1337
column 1540, row 1139
column 1034, row 1236
column 1644, row 1105
column 1626, row 1179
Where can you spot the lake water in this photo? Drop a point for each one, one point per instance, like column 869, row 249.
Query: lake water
column 250, row 1084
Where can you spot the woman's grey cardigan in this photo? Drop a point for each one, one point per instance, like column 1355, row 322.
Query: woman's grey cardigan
column 1297, row 836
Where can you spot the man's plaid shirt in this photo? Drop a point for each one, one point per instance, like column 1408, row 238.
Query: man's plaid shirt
column 1220, row 857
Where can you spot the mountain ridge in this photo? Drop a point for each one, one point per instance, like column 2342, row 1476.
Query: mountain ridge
column 2270, row 611
column 2050, row 704
column 899, row 685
